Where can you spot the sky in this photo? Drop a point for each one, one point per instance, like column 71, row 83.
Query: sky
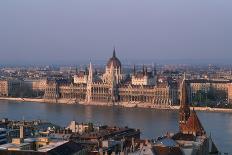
column 63, row 31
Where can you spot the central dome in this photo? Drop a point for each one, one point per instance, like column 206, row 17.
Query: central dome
column 114, row 61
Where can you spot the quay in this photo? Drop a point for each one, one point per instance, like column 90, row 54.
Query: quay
column 125, row 105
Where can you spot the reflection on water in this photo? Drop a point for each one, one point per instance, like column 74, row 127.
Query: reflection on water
column 152, row 123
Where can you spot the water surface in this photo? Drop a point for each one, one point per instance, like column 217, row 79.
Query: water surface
column 152, row 123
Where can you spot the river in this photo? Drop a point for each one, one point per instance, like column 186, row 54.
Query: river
column 152, row 123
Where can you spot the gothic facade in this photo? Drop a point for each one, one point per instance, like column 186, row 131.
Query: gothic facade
column 113, row 87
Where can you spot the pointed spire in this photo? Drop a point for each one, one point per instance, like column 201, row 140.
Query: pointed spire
column 143, row 69
column 90, row 66
column 184, row 104
column 183, row 98
column 134, row 71
column 90, row 76
column 114, row 53
column 146, row 70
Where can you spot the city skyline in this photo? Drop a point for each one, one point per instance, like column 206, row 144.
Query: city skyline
column 62, row 32
column 132, row 77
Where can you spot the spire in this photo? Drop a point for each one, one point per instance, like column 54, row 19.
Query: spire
column 114, row 53
column 146, row 70
column 183, row 94
column 134, row 71
column 143, row 69
column 184, row 104
column 90, row 66
column 90, row 77
column 189, row 122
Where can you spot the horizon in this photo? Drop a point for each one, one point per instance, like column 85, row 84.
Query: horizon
column 124, row 61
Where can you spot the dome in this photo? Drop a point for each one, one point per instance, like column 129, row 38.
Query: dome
column 115, row 61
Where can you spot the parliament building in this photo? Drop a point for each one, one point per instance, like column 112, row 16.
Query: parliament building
column 114, row 87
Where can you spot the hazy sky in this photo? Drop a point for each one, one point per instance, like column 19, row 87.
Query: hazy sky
column 72, row 30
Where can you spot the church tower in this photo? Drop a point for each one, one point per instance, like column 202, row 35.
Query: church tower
column 189, row 122
column 184, row 111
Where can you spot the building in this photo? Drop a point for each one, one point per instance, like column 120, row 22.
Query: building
column 113, row 72
column 52, row 88
column 10, row 87
column 39, row 85
column 230, row 92
column 144, row 77
column 190, row 140
column 162, row 95
column 3, row 136
column 42, row 146
column 81, row 77
column 33, row 87
column 78, row 128
column 114, row 87
column 205, row 89
column 191, row 136
column 51, row 143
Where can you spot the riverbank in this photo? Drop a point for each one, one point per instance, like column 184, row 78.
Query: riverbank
column 122, row 104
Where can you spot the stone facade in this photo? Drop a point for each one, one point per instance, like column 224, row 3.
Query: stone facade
column 9, row 87
column 219, row 88
column 230, row 92
column 113, row 87
column 144, row 77
column 81, row 77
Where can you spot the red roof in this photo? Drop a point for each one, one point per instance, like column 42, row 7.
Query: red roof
column 193, row 125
